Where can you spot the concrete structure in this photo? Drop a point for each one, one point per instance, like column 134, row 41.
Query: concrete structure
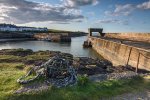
column 87, row 43
column 123, row 54
column 142, row 37
column 99, row 30
column 54, row 37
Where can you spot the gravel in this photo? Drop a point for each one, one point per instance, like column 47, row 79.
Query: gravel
column 112, row 76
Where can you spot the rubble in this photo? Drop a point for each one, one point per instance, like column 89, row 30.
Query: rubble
column 58, row 71
column 61, row 70
column 91, row 66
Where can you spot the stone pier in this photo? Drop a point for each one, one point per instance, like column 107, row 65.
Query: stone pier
column 123, row 48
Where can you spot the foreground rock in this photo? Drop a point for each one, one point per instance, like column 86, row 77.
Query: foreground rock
column 91, row 66
column 62, row 72
column 58, row 71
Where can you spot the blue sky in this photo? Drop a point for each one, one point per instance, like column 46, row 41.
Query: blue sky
column 79, row 15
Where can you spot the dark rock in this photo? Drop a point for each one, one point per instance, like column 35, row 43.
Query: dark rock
column 90, row 66
column 58, row 71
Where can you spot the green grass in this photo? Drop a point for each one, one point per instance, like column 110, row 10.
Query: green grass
column 10, row 58
column 14, row 59
column 90, row 91
column 84, row 90
column 9, row 73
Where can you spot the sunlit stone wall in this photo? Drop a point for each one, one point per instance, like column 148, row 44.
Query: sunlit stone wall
column 145, row 37
column 121, row 54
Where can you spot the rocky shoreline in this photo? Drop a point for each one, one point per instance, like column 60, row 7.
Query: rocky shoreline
column 96, row 69
column 83, row 65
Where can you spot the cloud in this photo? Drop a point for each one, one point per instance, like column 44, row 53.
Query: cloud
column 114, row 21
column 108, row 21
column 127, row 9
column 78, row 3
column 121, row 10
column 145, row 5
column 22, row 11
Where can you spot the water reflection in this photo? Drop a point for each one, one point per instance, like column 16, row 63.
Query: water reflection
column 75, row 47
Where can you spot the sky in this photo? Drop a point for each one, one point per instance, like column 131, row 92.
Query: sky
column 78, row 15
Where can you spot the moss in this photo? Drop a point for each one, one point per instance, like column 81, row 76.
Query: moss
column 84, row 90
column 83, row 80
column 9, row 73
column 91, row 91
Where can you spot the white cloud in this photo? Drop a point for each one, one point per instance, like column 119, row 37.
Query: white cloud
column 145, row 5
column 22, row 11
column 78, row 3
column 108, row 21
column 121, row 10
column 114, row 21
column 127, row 9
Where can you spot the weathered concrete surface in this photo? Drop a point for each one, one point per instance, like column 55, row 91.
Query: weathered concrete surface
column 100, row 30
column 54, row 37
column 144, row 37
column 139, row 44
column 121, row 54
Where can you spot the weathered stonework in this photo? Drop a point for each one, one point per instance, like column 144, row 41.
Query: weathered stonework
column 121, row 54
column 143, row 37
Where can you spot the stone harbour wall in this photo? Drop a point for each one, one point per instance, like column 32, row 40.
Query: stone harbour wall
column 144, row 37
column 121, row 54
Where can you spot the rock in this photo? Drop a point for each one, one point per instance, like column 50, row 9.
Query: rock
column 90, row 66
column 58, row 71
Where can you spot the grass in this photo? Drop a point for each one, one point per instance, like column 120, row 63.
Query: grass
column 90, row 91
column 10, row 58
column 84, row 90
column 32, row 57
column 37, row 57
column 8, row 75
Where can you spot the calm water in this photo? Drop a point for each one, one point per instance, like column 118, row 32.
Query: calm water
column 75, row 47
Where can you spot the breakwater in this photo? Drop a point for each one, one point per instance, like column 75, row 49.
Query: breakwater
column 142, row 37
column 122, row 54
column 58, row 37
